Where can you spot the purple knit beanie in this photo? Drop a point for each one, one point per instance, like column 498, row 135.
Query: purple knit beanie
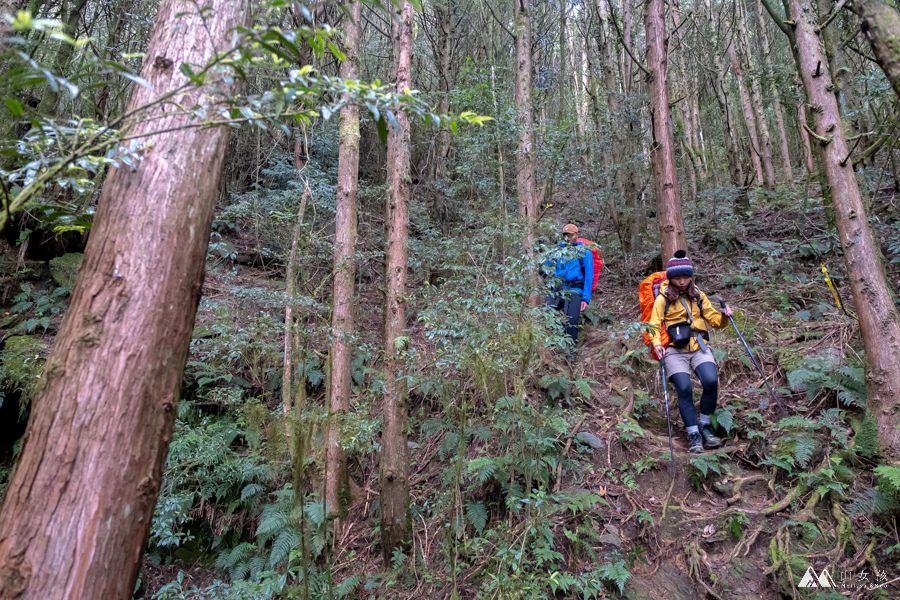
column 679, row 265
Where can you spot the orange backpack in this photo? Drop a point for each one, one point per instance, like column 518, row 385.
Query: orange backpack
column 648, row 290
column 598, row 262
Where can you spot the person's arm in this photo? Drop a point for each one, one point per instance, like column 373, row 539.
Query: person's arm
column 712, row 314
column 588, row 275
column 656, row 321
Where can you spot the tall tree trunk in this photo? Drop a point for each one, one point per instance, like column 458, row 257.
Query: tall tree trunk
column 444, row 16
column 527, row 199
column 337, row 480
column 762, row 126
column 881, row 24
column 877, row 315
column 735, row 168
column 776, row 97
column 628, row 75
column 289, row 280
column 50, row 99
column 804, row 134
column 77, row 513
column 662, row 145
column 561, row 83
column 396, row 525
column 747, row 108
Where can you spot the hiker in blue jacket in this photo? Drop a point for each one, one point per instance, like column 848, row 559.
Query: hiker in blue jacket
column 574, row 276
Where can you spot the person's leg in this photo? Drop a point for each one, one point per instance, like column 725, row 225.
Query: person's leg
column 573, row 315
column 709, row 379
column 682, row 383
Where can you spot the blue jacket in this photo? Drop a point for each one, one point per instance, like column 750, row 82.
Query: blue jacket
column 575, row 269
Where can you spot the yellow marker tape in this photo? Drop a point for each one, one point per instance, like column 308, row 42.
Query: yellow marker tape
column 834, row 293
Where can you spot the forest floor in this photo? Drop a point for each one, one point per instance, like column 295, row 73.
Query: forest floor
column 716, row 525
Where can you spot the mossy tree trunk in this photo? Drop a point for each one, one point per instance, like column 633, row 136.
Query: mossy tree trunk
column 77, row 513
column 337, row 481
column 396, row 523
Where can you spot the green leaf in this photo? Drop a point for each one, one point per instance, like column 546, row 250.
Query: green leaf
column 453, row 127
column 381, row 126
column 724, row 419
column 14, row 107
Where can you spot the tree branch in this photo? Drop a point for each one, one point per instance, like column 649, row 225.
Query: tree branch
column 612, row 17
column 831, row 17
column 499, row 22
column 777, row 18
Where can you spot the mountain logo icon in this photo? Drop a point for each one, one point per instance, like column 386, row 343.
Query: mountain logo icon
column 811, row 580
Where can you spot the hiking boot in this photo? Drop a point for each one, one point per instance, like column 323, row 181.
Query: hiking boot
column 711, row 439
column 696, row 442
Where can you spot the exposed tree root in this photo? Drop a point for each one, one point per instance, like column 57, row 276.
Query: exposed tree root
column 696, row 558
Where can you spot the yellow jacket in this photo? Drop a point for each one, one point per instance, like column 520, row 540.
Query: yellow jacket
column 677, row 314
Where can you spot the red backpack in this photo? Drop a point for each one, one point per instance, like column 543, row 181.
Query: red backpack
column 648, row 290
column 598, row 262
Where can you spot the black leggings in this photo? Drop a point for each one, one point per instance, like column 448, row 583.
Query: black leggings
column 709, row 379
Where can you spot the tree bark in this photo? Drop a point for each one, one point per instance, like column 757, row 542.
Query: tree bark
column 562, row 84
column 396, row 525
column 762, row 126
column 525, row 167
column 776, row 97
column 749, row 119
column 881, row 24
column 337, row 479
column 662, row 145
column 877, row 316
column 77, row 513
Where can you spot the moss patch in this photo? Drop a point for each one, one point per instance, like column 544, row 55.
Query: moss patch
column 21, row 366
column 64, row 268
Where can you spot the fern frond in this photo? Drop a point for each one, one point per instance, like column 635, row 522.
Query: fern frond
column 615, row 572
column 477, row 514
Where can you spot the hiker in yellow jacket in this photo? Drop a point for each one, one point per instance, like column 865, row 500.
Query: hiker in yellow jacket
column 686, row 313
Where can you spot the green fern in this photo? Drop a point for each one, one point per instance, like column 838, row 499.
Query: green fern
column 615, row 572
column 477, row 514
column 889, row 478
column 805, row 445
column 348, row 585
column 872, row 502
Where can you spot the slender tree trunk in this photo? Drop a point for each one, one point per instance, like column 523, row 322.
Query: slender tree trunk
column 444, row 15
column 749, row 119
column 776, row 97
column 881, row 23
column 337, row 480
column 561, row 83
column 762, row 126
column 662, row 146
column 525, row 159
column 735, row 168
column 50, row 99
column 396, row 525
column 628, row 75
column 289, row 279
column 77, row 513
column 878, row 318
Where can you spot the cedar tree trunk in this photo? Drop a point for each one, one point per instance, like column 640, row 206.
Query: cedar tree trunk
column 662, row 146
column 337, row 481
column 395, row 516
column 525, row 156
column 77, row 514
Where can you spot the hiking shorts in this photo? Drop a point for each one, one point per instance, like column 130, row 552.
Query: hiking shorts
column 685, row 361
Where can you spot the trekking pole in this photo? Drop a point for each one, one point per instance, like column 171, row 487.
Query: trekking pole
column 756, row 364
column 662, row 368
